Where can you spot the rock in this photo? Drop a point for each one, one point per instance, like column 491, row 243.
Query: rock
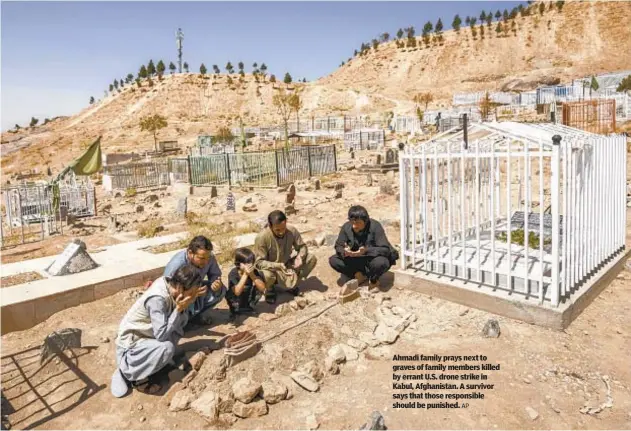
column 312, row 422
column 369, row 180
column 290, row 209
column 273, row 392
column 245, row 390
column 72, row 260
column 283, row 310
column 462, row 313
column 303, row 220
column 336, row 194
column 314, row 296
column 375, row 422
column 532, row 413
column 301, row 301
column 285, row 381
column 151, row 198
column 338, row 186
column 251, row 410
column 180, row 209
column 268, row 317
column 369, row 339
column 305, row 381
column 350, row 353
column 291, row 194
column 317, row 185
column 385, row 335
column 337, row 354
column 181, row 400
column 105, row 340
column 142, row 419
column 250, row 207
column 207, row 405
column 174, row 389
column 356, row 344
column 189, row 377
column 213, row 191
column 491, row 329
column 331, row 366
column 313, row 369
column 225, row 405
column 139, row 208
column 227, row 418
column 294, row 305
column 386, row 188
column 197, row 360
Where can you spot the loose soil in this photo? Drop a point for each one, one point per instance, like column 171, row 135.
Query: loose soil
column 24, row 277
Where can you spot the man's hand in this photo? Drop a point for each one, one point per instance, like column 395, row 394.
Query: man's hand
column 216, row 285
column 202, row 290
column 297, row 262
column 358, row 253
column 182, row 302
column 246, row 268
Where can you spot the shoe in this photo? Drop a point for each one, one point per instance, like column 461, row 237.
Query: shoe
column 270, row 297
column 295, row 291
column 361, row 278
column 119, row 386
column 373, row 286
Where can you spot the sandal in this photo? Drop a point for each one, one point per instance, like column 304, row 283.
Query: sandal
column 148, row 386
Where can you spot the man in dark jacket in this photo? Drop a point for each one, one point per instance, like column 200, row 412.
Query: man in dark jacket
column 362, row 250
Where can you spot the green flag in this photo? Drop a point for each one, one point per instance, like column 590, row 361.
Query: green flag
column 90, row 162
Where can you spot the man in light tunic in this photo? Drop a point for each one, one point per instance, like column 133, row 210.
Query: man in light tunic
column 149, row 332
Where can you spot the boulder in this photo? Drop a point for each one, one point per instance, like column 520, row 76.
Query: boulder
column 245, row 390
column 207, row 405
column 254, row 409
column 181, row 400
column 273, row 392
column 305, row 381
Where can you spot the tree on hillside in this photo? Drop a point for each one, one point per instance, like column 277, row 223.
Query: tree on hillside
column 111, row 88
column 467, row 20
column 593, row 86
column 138, row 82
column 151, row 68
column 91, row 100
column 560, row 4
column 263, row 68
column 542, row 8
column 513, row 27
column 255, row 65
column 287, row 79
column 625, row 85
column 283, row 102
column 142, row 73
column 202, row 69
column 152, row 124
column 505, row 15
column 482, row 16
column 172, row 67
column 129, row 78
column 439, row 26
column 272, row 78
column 486, row 106
column 150, row 82
column 498, row 29
column 185, row 67
column 489, row 19
column 229, row 67
column 423, row 98
column 456, row 23
column 482, row 31
column 116, row 84
column 161, row 68
column 33, row 122
column 216, row 69
column 296, row 104
column 375, row 44
column 524, row 11
column 122, row 83
column 399, row 34
column 385, row 37
column 240, row 65
column 472, row 22
column 223, row 136
column 498, row 15
column 427, row 29
column 17, row 127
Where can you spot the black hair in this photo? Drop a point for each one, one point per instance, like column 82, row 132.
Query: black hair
column 200, row 242
column 276, row 217
column 358, row 212
column 243, row 255
column 186, row 276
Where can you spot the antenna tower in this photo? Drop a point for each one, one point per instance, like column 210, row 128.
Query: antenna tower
column 179, row 37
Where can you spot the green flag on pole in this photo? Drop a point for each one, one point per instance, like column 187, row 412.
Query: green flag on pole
column 90, row 162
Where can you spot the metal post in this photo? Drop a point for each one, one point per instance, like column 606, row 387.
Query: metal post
column 309, row 159
column 190, row 171
column 335, row 157
column 361, row 145
column 465, row 131
column 328, row 124
column 555, row 180
column 277, row 170
column 228, row 169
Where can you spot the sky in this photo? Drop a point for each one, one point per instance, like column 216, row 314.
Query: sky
column 56, row 55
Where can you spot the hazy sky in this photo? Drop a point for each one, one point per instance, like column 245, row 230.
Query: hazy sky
column 55, row 55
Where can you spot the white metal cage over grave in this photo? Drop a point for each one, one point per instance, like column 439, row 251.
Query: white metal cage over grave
column 533, row 210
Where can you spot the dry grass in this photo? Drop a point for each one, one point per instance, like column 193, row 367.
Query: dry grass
column 150, row 229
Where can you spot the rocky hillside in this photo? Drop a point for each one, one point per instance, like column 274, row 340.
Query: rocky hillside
column 584, row 38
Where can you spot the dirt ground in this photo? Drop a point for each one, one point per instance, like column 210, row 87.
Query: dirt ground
column 555, row 373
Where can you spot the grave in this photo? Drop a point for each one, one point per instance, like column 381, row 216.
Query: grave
column 382, row 164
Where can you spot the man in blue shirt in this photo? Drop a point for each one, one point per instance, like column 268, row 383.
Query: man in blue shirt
column 199, row 253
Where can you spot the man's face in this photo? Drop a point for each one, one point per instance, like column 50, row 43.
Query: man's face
column 358, row 225
column 280, row 229
column 200, row 258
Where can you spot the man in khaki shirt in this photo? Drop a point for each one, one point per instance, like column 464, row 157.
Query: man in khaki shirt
column 273, row 248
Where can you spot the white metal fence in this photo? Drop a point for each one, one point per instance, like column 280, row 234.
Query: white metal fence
column 512, row 210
